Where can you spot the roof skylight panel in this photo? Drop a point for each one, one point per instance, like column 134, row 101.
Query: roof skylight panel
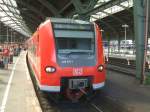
column 13, row 2
column 9, row 22
column 4, row 7
column 113, row 9
column 1, row 1
column 128, row 3
column 100, row 2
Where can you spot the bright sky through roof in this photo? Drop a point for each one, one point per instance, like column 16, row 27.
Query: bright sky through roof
column 10, row 16
column 111, row 10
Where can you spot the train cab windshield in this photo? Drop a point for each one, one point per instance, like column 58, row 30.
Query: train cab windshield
column 75, row 38
column 75, row 44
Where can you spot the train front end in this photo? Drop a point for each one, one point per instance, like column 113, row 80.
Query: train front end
column 78, row 66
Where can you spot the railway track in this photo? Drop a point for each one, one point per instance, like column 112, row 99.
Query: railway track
column 122, row 65
column 49, row 105
column 98, row 104
column 98, row 108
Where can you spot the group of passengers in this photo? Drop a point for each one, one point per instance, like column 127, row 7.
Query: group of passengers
column 7, row 52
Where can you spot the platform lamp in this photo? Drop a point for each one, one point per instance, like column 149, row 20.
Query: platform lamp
column 11, row 35
column 14, row 36
column 125, row 26
column 0, row 30
column 7, row 34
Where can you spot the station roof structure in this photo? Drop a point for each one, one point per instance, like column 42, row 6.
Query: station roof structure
column 10, row 16
column 25, row 15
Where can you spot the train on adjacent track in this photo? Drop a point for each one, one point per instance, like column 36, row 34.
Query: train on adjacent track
column 66, row 56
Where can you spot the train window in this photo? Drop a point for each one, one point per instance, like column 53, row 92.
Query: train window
column 74, row 37
column 77, row 34
column 73, row 30
column 74, row 44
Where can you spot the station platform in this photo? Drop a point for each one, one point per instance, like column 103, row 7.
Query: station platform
column 122, row 56
column 125, row 90
column 16, row 89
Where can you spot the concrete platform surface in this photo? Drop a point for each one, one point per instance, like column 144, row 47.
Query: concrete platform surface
column 16, row 89
column 127, row 91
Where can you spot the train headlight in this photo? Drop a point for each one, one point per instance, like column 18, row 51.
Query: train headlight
column 100, row 68
column 50, row 69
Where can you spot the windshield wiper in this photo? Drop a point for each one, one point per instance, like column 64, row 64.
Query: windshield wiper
column 81, row 52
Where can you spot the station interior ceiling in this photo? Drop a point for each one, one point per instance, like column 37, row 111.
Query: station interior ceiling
column 24, row 16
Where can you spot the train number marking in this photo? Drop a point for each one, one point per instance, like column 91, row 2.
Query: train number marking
column 67, row 62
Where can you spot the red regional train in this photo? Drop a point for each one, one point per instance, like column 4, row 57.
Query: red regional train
column 66, row 56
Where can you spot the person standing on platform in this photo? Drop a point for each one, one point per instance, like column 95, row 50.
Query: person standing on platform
column 11, row 54
column 6, row 56
column 1, row 57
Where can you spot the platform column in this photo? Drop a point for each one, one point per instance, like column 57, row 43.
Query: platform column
column 108, row 52
column 0, row 33
column 119, row 44
column 139, row 35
